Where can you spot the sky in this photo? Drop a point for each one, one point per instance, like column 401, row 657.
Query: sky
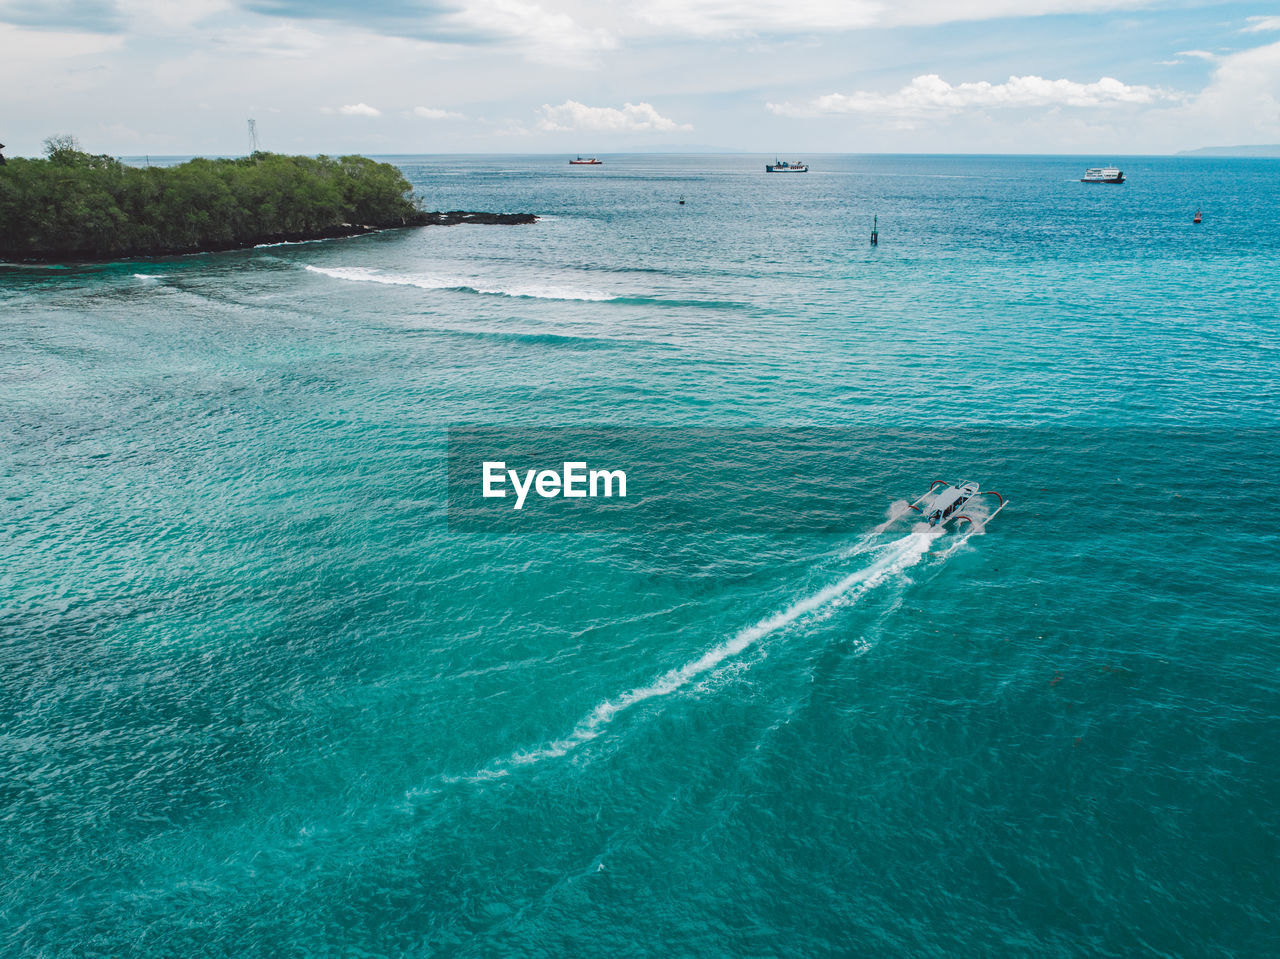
column 788, row 77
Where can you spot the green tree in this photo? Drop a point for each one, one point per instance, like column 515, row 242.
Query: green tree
column 75, row 205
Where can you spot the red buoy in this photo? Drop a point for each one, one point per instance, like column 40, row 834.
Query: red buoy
column 1196, row 219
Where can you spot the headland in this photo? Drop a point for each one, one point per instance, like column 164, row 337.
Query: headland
column 74, row 206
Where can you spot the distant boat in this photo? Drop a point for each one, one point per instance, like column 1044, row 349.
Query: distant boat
column 783, row 166
column 585, row 161
column 1103, row 174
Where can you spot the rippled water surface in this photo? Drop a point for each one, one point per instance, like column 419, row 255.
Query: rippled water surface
column 258, row 698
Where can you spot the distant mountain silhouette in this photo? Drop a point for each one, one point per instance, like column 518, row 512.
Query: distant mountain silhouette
column 1258, row 150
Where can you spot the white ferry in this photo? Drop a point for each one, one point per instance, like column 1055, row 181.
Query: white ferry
column 1103, row 174
column 783, row 166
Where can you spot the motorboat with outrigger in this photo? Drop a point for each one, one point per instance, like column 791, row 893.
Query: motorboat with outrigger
column 952, row 502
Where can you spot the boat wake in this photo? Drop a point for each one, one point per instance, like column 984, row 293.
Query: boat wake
column 895, row 557
column 361, row 274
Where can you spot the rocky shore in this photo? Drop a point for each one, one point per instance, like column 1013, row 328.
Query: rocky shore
column 450, row 218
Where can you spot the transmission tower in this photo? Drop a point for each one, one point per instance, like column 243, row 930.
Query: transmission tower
column 253, row 136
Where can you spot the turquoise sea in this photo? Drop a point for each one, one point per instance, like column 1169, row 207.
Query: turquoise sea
column 262, row 695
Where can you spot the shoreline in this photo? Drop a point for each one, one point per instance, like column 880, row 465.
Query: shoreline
column 336, row 232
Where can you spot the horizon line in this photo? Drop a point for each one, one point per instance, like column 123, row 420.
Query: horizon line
column 1196, row 153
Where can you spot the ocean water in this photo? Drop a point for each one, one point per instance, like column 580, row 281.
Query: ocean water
column 262, row 695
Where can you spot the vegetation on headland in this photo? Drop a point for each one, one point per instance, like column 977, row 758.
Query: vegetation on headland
column 77, row 206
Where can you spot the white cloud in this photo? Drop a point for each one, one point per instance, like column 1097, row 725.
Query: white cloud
column 279, row 40
column 1241, row 104
column 160, row 15
column 729, row 17
column 931, row 94
column 543, row 35
column 1259, row 24
column 632, row 118
column 21, row 44
column 311, row 59
column 359, row 110
column 1198, row 54
column 434, row 113
column 733, row 17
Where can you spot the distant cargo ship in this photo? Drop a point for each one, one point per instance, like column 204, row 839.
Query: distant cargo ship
column 1103, row 174
column 585, row 161
column 782, row 166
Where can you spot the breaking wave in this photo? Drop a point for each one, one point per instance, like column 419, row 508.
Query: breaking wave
column 361, row 274
column 263, row 246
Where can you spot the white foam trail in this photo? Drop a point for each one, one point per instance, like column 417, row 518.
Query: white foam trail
column 977, row 527
column 863, row 544
column 979, row 515
column 146, row 277
column 961, row 540
column 899, row 555
column 361, row 274
column 897, row 509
